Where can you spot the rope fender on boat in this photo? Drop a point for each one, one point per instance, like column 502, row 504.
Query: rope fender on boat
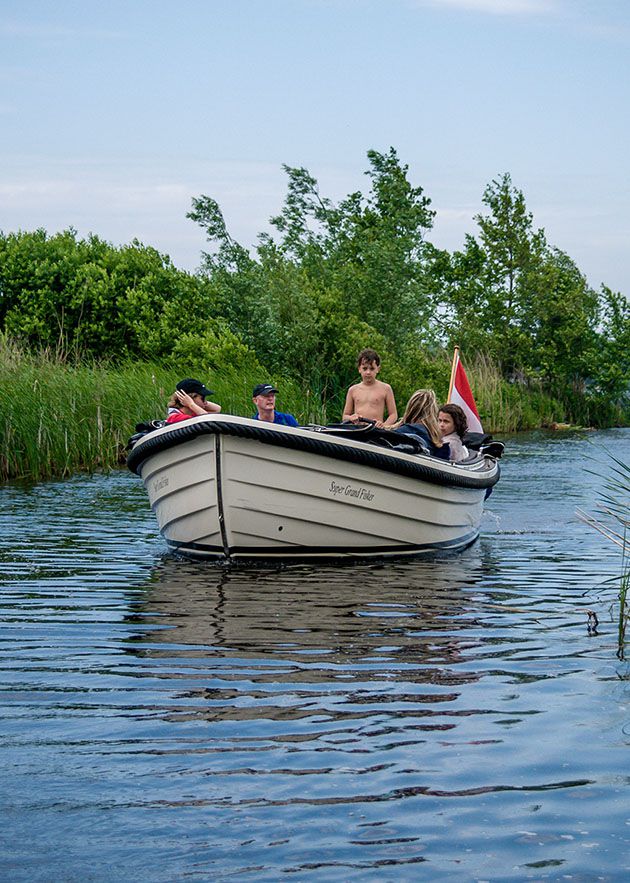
column 180, row 434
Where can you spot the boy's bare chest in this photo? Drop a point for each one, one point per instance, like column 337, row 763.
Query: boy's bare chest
column 369, row 395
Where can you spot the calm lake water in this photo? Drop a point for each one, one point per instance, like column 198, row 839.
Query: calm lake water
column 443, row 719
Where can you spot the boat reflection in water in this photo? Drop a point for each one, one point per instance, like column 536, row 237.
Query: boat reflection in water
column 241, row 637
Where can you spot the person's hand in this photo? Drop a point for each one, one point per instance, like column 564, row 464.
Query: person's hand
column 184, row 399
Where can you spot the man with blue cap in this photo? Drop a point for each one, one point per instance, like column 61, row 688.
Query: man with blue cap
column 264, row 396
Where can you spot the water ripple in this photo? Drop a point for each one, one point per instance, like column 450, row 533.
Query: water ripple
column 438, row 719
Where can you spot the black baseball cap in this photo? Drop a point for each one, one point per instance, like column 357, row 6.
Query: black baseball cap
column 193, row 386
column 263, row 389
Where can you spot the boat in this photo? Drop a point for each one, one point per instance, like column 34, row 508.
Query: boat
column 230, row 488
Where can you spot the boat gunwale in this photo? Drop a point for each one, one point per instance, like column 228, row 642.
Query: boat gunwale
column 418, row 466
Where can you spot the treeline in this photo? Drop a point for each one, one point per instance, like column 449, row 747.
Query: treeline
column 328, row 280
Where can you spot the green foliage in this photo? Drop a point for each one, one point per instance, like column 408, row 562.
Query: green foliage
column 229, row 254
column 612, row 356
column 525, row 304
column 368, row 249
column 88, row 300
column 491, row 288
column 562, row 315
column 79, row 416
column 328, row 280
column 213, row 346
column 85, row 298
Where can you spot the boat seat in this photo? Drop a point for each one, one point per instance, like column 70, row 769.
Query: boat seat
column 407, row 445
column 474, row 440
column 494, row 449
column 382, row 438
column 142, row 429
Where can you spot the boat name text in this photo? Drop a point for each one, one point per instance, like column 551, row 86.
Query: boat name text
column 348, row 490
column 159, row 484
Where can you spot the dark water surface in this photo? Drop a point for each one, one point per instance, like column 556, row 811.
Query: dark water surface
column 426, row 720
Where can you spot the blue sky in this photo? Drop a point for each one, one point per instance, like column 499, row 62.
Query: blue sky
column 115, row 115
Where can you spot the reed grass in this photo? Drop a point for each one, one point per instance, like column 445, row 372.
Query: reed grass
column 510, row 407
column 59, row 416
column 612, row 521
column 624, row 612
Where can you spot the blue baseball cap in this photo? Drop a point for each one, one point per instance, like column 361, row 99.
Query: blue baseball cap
column 263, row 389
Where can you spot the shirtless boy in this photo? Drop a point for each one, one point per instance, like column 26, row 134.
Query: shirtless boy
column 370, row 399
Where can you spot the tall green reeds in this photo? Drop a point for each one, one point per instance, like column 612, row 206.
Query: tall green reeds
column 613, row 522
column 510, row 407
column 59, row 415
column 57, row 418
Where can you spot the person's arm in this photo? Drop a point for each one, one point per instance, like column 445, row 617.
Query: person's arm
column 186, row 400
column 211, row 408
column 390, row 404
column 348, row 408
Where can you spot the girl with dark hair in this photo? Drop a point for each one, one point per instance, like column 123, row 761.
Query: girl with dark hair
column 453, row 424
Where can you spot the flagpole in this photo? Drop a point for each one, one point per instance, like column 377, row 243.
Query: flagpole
column 450, row 387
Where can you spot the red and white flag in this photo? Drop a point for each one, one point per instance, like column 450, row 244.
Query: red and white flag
column 460, row 394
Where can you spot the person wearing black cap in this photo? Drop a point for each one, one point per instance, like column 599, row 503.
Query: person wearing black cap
column 264, row 396
column 189, row 400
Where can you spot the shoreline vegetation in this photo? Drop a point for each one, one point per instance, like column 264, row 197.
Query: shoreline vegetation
column 93, row 337
column 58, row 418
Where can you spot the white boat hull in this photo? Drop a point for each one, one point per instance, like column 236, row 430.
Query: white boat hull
column 222, row 495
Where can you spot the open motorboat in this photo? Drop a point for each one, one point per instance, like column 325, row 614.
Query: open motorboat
column 226, row 487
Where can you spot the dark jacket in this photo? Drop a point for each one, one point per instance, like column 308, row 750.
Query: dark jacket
column 420, row 430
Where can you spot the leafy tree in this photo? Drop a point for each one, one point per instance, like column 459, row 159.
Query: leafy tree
column 370, row 248
column 561, row 316
column 458, row 286
column 517, row 299
column 613, row 351
column 40, row 281
column 84, row 296
column 332, row 278
column 491, row 285
column 228, row 254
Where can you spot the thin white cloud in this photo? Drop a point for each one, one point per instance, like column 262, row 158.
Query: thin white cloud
column 577, row 16
column 147, row 201
column 496, row 7
column 50, row 31
column 457, row 214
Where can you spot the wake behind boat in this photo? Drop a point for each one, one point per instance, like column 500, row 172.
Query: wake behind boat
column 226, row 487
